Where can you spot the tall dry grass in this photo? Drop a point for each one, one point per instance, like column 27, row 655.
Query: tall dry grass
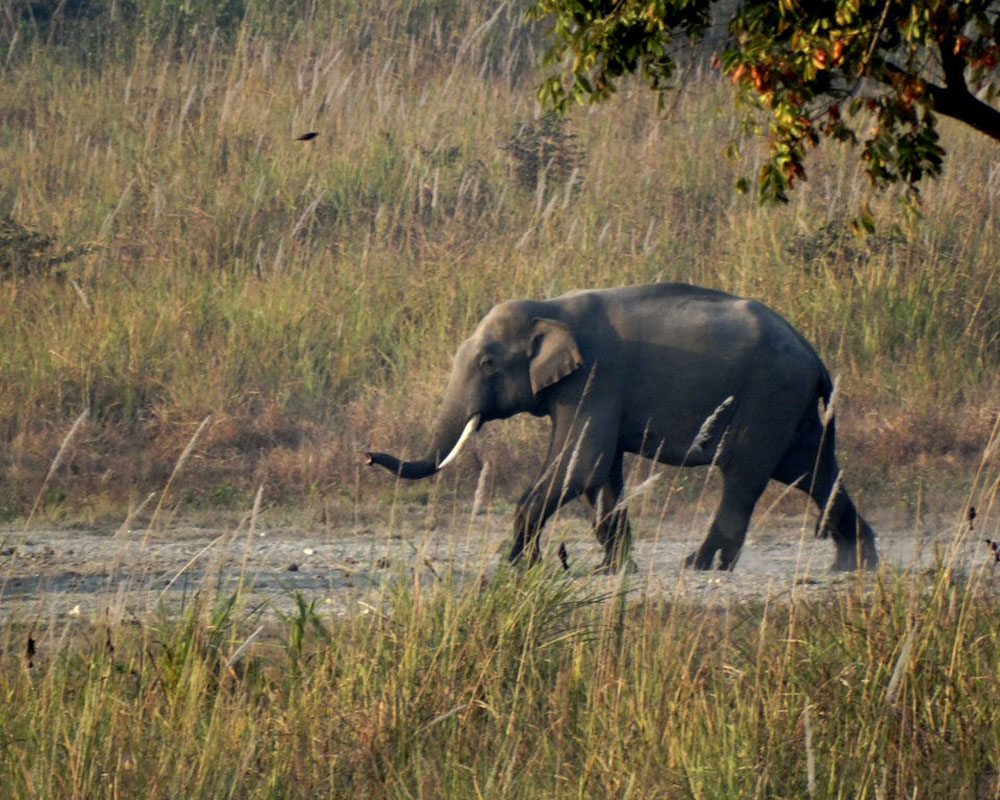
column 308, row 295
column 515, row 683
column 519, row 685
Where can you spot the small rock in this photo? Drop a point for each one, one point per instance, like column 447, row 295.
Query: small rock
column 308, row 551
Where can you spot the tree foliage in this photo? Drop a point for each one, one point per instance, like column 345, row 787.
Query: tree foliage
column 875, row 73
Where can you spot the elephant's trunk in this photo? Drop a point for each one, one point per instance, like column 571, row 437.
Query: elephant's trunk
column 432, row 461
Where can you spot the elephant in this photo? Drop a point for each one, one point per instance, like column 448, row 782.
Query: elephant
column 684, row 375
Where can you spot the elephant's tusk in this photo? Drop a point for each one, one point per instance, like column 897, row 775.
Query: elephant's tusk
column 470, row 426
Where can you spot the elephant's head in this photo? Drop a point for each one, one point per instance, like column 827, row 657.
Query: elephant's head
column 499, row 371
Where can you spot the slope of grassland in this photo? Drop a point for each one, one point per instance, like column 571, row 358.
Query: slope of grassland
column 171, row 252
column 240, row 313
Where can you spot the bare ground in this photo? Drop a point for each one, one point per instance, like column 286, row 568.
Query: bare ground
column 105, row 574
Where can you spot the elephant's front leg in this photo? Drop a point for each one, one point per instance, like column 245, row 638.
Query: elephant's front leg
column 533, row 510
column 611, row 525
column 579, row 461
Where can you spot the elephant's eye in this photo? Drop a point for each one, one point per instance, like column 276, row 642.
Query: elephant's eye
column 487, row 365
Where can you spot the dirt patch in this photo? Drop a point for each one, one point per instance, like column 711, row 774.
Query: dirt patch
column 106, row 574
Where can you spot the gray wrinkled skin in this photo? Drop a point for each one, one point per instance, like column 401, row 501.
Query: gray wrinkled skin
column 681, row 374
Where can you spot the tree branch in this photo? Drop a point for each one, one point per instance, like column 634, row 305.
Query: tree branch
column 954, row 98
column 966, row 107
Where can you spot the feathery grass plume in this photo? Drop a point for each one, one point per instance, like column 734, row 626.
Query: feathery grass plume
column 706, row 430
column 110, row 218
column 255, row 511
column 124, row 529
column 719, row 450
column 133, row 512
column 57, row 461
column 831, row 404
column 824, row 518
column 181, row 461
column 993, row 442
column 80, row 293
column 191, row 561
column 638, row 491
column 61, row 453
column 574, row 457
column 239, row 651
column 480, row 495
column 810, row 752
column 902, row 661
column 442, row 717
column 988, row 491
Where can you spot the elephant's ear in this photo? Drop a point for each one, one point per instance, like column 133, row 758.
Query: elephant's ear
column 553, row 353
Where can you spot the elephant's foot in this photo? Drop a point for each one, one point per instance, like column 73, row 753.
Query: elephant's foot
column 524, row 559
column 700, row 559
column 703, row 557
column 728, row 558
column 628, row 566
column 855, row 555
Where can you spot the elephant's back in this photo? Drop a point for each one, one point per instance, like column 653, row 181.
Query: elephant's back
column 678, row 312
column 690, row 322
column 663, row 294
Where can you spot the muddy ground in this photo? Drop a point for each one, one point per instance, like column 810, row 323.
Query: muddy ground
column 346, row 567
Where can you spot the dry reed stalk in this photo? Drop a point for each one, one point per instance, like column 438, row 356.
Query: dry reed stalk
column 110, row 218
column 705, row 431
column 828, row 507
column 251, row 529
column 831, row 404
column 810, row 753
column 892, row 689
column 480, row 495
column 57, row 462
column 574, row 457
column 181, row 461
column 122, row 530
column 638, row 491
column 133, row 512
column 255, row 512
column 237, row 654
column 191, row 561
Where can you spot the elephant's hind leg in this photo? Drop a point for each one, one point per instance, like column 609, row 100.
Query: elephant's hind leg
column 729, row 527
column 816, row 473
